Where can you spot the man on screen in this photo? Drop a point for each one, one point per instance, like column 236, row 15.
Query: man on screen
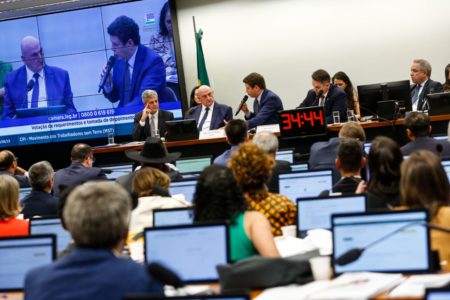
column 136, row 69
column 36, row 84
column 423, row 85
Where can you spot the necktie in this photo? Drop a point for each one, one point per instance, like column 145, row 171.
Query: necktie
column 321, row 101
column 205, row 116
column 416, row 94
column 126, row 84
column 152, row 125
column 255, row 106
column 35, row 94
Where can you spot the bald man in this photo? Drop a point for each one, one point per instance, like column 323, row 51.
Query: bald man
column 36, row 85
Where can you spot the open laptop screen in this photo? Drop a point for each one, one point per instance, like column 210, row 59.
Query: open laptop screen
column 184, row 187
column 173, row 216
column 305, row 183
column 316, row 212
column 192, row 251
column 118, row 170
column 446, row 165
column 405, row 251
column 18, row 255
column 51, row 226
column 437, row 293
column 285, row 154
column 193, row 165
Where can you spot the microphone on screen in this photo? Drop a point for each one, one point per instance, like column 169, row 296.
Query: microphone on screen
column 241, row 104
column 109, row 66
column 30, row 85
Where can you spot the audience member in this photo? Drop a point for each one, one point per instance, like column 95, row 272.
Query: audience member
column 268, row 142
column 9, row 166
column 80, row 170
column 193, row 101
column 219, row 198
column 10, row 225
column 423, row 85
column 252, row 168
column 446, row 86
column 97, row 216
column 424, row 184
column 266, row 104
column 40, row 202
column 211, row 114
column 349, row 162
column 5, row 69
column 418, row 130
column 326, row 94
column 236, row 132
column 342, row 81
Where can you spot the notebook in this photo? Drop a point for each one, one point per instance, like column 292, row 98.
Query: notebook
column 191, row 251
column 18, row 255
column 185, row 187
column 437, row 293
column 405, row 251
column 196, row 297
column 173, row 216
column 302, row 184
column 51, row 226
column 315, row 213
column 193, row 164
column 285, row 154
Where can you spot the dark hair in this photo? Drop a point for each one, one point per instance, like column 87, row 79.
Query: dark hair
column 80, row 152
column 162, row 18
column 321, row 76
column 236, row 131
column 350, row 154
column 6, row 159
column 125, row 28
column 418, row 123
column 447, row 80
column 349, row 90
column 217, row 197
column 253, row 79
column 192, row 102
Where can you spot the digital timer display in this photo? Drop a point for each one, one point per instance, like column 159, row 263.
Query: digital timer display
column 302, row 122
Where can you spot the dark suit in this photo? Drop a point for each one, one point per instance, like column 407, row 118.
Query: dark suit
column 148, row 73
column 322, row 155
column 76, row 174
column 142, row 133
column 335, row 100
column 281, row 166
column 39, row 203
column 57, row 84
column 269, row 105
column 220, row 112
column 430, row 87
column 21, row 179
column 89, row 273
column 346, row 185
column 427, row 143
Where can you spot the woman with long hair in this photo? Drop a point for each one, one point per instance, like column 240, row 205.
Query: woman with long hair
column 341, row 80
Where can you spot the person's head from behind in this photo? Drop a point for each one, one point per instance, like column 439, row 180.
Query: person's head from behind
column 424, row 183
column 40, row 176
column 8, row 161
column 447, row 74
column 352, row 130
column 236, row 131
column 82, row 153
column 150, row 101
column 165, row 22
column 194, row 101
column 341, row 80
column 251, row 166
column 32, row 54
column 417, row 125
column 320, row 81
column 9, row 197
column 350, row 157
column 205, row 95
column 420, row 71
column 124, row 36
column 254, row 84
column 146, row 179
column 217, row 196
column 266, row 141
column 97, row 215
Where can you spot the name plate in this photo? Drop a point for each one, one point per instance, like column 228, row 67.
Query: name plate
column 274, row 128
column 212, row 134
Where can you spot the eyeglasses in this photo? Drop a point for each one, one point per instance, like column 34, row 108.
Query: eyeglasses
column 92, row 158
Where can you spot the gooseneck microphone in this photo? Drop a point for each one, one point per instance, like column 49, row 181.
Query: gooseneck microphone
column 30, row 85
column 241, row 104
column 109, row 66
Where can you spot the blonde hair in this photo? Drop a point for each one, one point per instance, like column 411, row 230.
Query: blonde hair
column 145, row 178
column 9, row 197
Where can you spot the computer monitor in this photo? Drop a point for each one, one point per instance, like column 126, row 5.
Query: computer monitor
column 117, row 171
column 303, row 184
column 438, row 104
column 369, row 95
column 23, row 192
column 395, row 241
column 181, row 130
column 173, row 216
column 193, row 164
column 315, row 213
column 18, row 255
column 186, row 187
column 285, row 154
column 446, row 165
column 300, row 167
column 51, row 226
column 442, row 293
column 191, row 251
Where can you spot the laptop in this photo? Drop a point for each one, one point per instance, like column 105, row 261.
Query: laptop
column 446, row 165
column 191, row 251
column 23, row 192
column 303, row 184
column 173, row 216
column 300, row 167
column 40, row 111
column 117, row 171
column 193, row 297
column 315, row 213
column 185, row 187
column 18, row 255
column 191, row 165
column 442, row 293
column 404, row 251
column 439, row 104
column 181, row 130
column 51, row 226
column 367, row 146
column 285, row 154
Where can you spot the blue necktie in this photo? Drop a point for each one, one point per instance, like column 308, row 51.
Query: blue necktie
column 126, row 84
column 416, row 94
column 35, row 94
column 205, row 116
column 255, row 106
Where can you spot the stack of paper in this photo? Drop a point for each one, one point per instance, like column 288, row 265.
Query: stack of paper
column 415, row 285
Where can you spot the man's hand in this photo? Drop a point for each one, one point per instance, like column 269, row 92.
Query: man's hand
column 108, row 82
column 245, row 108
column 145, row 114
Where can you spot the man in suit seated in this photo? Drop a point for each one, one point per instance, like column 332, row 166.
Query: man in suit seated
column 423, row 85
column 36, row 84
column 210, row 114
column 418, row 130
column 326, row 94
column 266, row 104
column 268, row 142
column 152, row 120
column 9, row 166
column 97, row 215
column 236, row 131
column 80, row 170
column 40, row 202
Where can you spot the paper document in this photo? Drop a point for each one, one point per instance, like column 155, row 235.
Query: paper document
column 415, row 285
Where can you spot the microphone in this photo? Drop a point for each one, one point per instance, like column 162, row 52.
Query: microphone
column 240, row 105
column 164, row 275
column 355, row 253
column 109, row 66
column 30, row 85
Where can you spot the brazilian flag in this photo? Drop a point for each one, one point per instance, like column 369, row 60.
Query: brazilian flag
column 201, row 66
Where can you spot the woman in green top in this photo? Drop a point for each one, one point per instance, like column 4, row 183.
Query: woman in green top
column 219, row 198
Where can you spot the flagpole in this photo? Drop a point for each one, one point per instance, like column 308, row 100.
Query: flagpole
column 195, row 27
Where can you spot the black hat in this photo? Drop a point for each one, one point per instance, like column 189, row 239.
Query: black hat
column 154, row 151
